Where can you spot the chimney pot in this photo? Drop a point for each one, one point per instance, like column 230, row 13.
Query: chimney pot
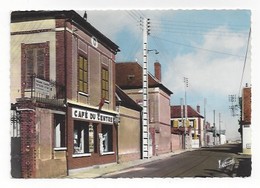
column 198, row 108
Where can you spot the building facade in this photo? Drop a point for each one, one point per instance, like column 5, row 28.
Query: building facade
column 246, row 120
column 129, row 78
column 63, row 88
column 194, row 125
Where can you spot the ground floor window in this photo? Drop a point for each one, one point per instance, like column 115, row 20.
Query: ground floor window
column 85, row 139
column 59, row 131
column 107, row 138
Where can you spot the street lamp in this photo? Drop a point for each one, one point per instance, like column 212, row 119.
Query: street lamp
column 155, row 51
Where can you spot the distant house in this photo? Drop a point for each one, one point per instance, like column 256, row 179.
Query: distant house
column 194, row 125
column 129, row 78
column 129, row 127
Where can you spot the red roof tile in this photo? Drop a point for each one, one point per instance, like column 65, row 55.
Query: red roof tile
column 129, row 75
column 176, row 112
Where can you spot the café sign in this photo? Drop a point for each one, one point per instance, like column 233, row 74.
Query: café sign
column 92, row 116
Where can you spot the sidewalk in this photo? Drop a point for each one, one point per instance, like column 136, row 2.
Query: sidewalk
column 100, row 170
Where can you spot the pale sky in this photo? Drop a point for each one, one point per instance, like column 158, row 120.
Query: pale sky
column 192, row 51
column 206, row 46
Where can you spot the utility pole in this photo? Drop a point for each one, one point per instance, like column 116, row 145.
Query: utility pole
column 145, row 118
column 205, row 122
column 214, row 132
column 219, row 128
column 186, row 84
column 182, row 123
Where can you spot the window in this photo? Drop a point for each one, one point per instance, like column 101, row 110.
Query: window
column 35, row 62
column 83, row 75
column 105, row 84
column 85, row 138
column 107, row 133
column 59, row 131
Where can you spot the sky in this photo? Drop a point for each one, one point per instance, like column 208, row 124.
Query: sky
column 186, row 49
column 209, row 47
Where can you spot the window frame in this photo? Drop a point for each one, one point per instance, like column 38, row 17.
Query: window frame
column 59, row 132
column 85, row 140
column 107, row 134
column 105, row 80
column 83, row 77
column 26, row 79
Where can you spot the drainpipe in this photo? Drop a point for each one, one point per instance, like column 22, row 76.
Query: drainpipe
column 118, row 103
column 65, row 88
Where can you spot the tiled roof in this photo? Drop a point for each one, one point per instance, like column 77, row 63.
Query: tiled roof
column 176, row 112
column 126, row 101
column 129, row 75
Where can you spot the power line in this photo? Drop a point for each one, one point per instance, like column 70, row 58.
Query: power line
column 199, row 24
column 133, row 16
column 189, row 32
column 245, row 60
column 204, row 49
column 141, row 13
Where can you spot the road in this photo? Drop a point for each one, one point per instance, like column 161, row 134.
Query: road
column 203, row 162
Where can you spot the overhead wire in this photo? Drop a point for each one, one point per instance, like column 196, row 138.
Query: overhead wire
column 199, row 48
column 200, row 24
column 245, row 61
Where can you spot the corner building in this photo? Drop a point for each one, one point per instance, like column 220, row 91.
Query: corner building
column 63, row 88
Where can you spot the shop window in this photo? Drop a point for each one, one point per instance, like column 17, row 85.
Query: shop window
column 59, row 131
column 105, row 84
column 107, row 141
column 83, row 75
column 35, row 62
column 85, row 138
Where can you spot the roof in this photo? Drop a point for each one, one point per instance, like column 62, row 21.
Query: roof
column 71, row 16
column 126, row 101
column 129, row 75
column 176, row 112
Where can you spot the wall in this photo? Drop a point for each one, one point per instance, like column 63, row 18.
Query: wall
column 49, row 163
column 18, row 37
column 246, row 139
column 164, row 115
column 129, row 147
column 176, row 142
column 159, row 115
column 98, row 57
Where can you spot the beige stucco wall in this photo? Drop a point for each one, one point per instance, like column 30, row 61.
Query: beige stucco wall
column 159, row 115
column 49, row 163
column 15, row 53
column 129, row 134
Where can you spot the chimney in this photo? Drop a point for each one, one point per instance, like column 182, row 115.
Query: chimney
column 85, row 16
column 157, row 71
column 198, row 108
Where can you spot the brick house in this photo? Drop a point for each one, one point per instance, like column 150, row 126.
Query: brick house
column 129, row 78
column 63, row 89
column 245, row 122
column 194, row 126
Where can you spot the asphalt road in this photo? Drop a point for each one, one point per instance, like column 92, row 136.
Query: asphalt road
column 203, row 162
